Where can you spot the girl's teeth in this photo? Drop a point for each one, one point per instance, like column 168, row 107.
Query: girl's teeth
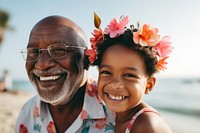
column 49, row 78
column 116, row 97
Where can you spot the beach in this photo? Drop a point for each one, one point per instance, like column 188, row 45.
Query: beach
column 11, row 103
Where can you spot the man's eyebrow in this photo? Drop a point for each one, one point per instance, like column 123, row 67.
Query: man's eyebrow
column 57, row 41
column 32, row 44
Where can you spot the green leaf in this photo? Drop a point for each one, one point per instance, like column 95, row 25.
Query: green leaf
column 97, row 21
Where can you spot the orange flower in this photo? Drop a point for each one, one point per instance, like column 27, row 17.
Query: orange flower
column 147, row 36
column 161, row 63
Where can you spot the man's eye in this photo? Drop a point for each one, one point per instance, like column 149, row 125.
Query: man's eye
column 33, row 53
column 58, row 52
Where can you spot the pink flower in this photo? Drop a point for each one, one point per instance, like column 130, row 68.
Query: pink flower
column 163, row 47
column 91, row 89
column 147, row 36
column 100, row 123
column 161, row 64
column 98, row 37
column 92, row 55
column 130, row 125
column 51, row 127
column 23, row 129
column 84, row 114
column 36, row 111
column 116, row 28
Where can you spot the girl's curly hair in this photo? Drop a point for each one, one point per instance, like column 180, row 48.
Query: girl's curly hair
column 147, row 52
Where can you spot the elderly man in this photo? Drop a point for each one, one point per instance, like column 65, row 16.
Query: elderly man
column 56, row 65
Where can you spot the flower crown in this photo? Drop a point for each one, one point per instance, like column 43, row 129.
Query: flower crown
column 144, row 36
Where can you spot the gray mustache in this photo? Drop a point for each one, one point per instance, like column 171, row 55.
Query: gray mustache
column 50, row 71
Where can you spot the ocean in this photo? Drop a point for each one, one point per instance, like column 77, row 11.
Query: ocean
column 177, row 98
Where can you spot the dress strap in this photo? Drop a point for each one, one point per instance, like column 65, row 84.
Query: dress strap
column 147, row 109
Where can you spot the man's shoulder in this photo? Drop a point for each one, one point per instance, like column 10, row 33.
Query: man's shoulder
column 29, row 105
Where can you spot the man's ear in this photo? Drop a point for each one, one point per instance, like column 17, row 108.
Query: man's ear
column 150, row 84
column 86, row 63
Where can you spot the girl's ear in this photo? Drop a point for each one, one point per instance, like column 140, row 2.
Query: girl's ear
column 150, row 84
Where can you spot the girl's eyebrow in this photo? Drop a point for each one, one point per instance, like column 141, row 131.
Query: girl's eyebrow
column 104, row 66
column 129, row 68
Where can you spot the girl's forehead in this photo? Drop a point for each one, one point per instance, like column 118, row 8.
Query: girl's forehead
column 120, row 49
column 123, row 54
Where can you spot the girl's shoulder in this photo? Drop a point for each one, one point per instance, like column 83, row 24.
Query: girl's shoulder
column 149, row 120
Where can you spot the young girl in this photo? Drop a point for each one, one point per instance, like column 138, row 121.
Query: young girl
column 127, row 59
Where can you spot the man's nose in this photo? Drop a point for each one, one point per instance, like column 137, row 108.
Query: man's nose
column 44, row 61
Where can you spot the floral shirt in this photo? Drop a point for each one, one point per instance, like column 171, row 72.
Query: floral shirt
column 35, row 116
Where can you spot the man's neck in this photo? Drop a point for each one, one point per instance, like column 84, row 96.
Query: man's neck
column 65, row 115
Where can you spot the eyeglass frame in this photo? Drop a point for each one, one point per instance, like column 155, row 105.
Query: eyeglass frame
column 48, row 49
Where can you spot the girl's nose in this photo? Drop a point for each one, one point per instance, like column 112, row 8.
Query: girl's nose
column 116, row 83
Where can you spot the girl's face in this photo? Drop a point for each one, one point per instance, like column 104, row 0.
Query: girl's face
column 122, row 78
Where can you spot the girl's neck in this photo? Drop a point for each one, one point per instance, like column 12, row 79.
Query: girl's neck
column 127, row 115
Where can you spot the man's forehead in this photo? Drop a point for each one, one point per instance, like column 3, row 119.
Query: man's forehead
column 51, row 29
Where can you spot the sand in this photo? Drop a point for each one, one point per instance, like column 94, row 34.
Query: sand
column 10, row 105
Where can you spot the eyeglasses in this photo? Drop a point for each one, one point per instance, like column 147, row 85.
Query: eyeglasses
column 56, row 51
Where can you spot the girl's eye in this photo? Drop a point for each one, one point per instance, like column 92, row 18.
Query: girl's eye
column 128, row 75
column 105, row 72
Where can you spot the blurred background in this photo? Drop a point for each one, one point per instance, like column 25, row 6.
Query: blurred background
column 177, row 92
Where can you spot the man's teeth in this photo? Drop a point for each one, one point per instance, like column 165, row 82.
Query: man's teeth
column 116, row 97
column 49, row 78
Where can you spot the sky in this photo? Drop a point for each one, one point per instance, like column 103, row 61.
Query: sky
column 180, row 19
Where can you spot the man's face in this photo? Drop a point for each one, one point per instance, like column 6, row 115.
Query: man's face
column 56, row 80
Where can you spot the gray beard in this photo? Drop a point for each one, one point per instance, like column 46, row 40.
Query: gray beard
column 65, row 94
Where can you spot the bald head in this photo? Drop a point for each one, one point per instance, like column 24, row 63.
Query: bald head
column 61, row 23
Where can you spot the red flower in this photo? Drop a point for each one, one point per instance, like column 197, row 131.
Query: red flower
column 36, row 111
column 23, row 129
column 91, row 89
column 51, row 127
column 100, row 123
column 92, row 54
column 84, row 114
